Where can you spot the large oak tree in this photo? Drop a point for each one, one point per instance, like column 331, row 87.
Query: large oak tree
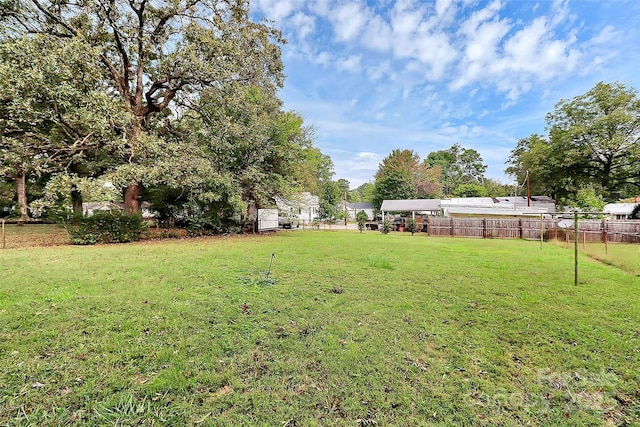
column 593, row 142
column 155, row 55
column 54, row 114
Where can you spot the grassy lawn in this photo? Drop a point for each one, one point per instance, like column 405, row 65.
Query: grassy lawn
column 352, row 330
column 625, row 256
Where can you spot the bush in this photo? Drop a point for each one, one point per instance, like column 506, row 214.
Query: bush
column 203, row 225
column 635, row 213
column 361, row 217
column 107, row 227
column 412, row 226
column 386, row 227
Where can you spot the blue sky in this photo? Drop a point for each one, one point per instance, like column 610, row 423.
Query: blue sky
column 371, row 76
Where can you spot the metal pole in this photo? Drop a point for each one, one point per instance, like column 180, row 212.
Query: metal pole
column 270, row 264
column 575, row 247
column 528, row 191
column 541, row 229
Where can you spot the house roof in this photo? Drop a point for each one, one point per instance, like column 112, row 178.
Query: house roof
column 493, row 210
column 300, row 200
column 359, row 206
column 414, row 205
column 619, row 208
column 102, row 206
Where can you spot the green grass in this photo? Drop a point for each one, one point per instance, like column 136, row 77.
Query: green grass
column 625, row 256
column 350, row 329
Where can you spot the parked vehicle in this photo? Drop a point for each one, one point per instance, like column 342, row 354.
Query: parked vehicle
column 286, row 220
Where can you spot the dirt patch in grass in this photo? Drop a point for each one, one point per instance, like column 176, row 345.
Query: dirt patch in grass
column 33, row 235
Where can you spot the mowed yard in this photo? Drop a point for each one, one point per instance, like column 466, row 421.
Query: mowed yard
column 350, row 330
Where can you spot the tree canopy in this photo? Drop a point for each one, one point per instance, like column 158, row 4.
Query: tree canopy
column 153, row 56
column 164, row 99
column 402, row 175
column 459, row 166
column 592, row 143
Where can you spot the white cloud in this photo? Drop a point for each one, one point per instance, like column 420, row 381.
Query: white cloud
column 352, row 64
column 607, row 35
column 560, row 13
column 277, row 10
column 380, row 70
column 377, row 35
column 323, row 58
column 349, row 20
column 445, row 9
column 412, row 65
column 304, row 25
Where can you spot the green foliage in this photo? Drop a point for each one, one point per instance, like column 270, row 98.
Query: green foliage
column 361, row 217
column 401, row 175
column 313, row 168
column 135, row 61
column 386, row 227
column 50, row 119
column 470, row 190
column 107, row 227
column 362, row 194
column 394, row 186
column 494, row 188
column 458, row 166
column 587, row 199
column 208, row 225
column 412, row 226
column 635, row 213
column 592, row 140
column 331, row 200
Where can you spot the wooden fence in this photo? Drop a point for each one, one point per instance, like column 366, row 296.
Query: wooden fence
column 531, row 229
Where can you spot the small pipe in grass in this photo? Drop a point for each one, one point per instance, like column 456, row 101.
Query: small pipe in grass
column 270, row 264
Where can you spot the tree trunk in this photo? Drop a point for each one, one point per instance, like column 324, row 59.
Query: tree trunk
column 21, row 190
column 76, row 201
column 132, row 199
column 132, row 192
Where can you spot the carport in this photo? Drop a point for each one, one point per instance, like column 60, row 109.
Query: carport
column 429, row 206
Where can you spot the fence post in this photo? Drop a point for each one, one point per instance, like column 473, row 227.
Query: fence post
column 429, row 226
column 520, row 233
column 484, row 228
column 4, row 240
column 452, row 231
column 576, row 237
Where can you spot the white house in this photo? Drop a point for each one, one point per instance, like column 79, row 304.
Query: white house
column 619, row 210
column 354, row 208
column 304, row 205
column 89, row 208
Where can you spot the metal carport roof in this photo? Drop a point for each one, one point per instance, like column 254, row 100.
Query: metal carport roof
column 413, row 205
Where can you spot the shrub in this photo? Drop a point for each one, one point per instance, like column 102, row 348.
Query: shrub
column 107, row 227
column 635, row 213
column 203, row 225
column 361, row 217
column 412, row 226
column 386, row 227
